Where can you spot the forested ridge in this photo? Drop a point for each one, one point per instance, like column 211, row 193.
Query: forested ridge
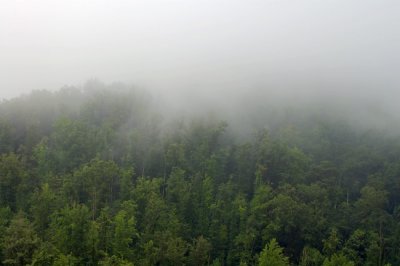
column 101, row 176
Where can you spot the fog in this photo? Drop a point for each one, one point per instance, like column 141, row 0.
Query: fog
column 220, row 55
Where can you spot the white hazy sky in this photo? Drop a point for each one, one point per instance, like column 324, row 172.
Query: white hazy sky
column 189, row 46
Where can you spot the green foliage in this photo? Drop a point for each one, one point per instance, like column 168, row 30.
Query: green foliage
column 45, row 255
column 71, row 144
column 19, row 242
column 96, row 183
column 173, row 251
column 178, row 192
column 44, row 202
column 71, row 231
column 272, row 255
column 332, row 243
column 124, row 233
column 114, row 261
column 104, row 180
column 6, row 141
column 14, row 182
column 199, row 252
column 337, row 260
column 311, row 257
column 371, row 206
column 63, row 260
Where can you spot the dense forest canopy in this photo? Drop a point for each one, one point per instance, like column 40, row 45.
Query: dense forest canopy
column 105, row 175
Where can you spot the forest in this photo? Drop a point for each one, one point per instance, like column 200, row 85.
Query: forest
column 102, row 175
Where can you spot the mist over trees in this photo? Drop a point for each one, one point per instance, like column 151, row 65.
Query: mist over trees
column 262, row 132
column 111, row 175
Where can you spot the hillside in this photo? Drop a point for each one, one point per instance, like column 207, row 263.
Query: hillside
column 102, row 176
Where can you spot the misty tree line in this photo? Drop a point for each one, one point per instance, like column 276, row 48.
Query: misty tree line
column 98, row 177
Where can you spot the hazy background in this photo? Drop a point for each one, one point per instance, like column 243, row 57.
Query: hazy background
column 228, row 53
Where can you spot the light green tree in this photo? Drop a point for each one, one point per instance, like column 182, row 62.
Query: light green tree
column 43, row 204
column 72, row 231
column 20, row 242
column 124, row 233
column 338, row 260
column 272, row 255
